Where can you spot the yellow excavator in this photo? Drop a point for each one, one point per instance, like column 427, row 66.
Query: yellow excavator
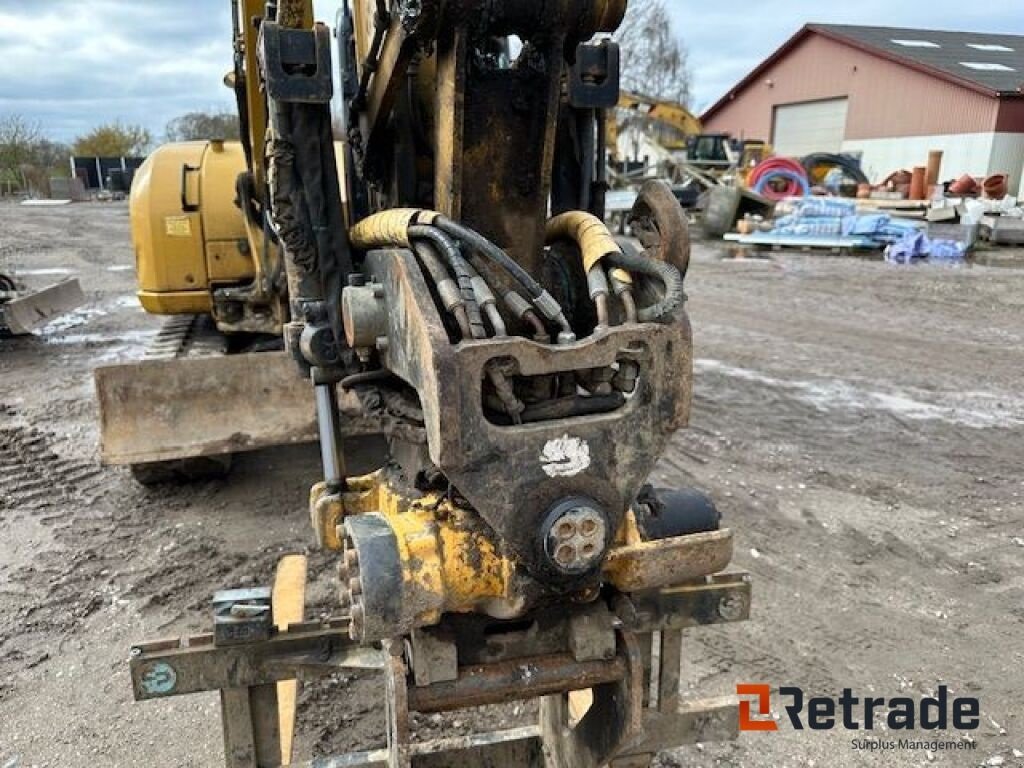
column 682, row 132
column 447, row 267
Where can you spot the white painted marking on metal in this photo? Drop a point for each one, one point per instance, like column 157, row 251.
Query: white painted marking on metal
column 565, row 456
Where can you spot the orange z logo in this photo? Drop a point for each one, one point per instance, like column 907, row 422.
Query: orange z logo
column 763, row 694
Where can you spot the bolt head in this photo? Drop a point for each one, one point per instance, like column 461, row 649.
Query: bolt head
column 731, row 607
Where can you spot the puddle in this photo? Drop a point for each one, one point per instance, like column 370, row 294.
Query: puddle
column 740, row 256
column 83, row 315
column 73, row 319
column 124, row 302
column 121, row 268
column 46, row 272
column 976, row 409
column 1005, row 260
column 121, row 344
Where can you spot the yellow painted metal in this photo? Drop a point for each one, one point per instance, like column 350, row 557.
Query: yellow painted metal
column 185, row 227
column 638, row 566
column 662, row 111
column 225, row 261
column 222, row 162
column 452, row 563
column 450, row 560
column 289, row 605
column 256, row 105
column 176, row 302
column 363, row 13
column 168, row 240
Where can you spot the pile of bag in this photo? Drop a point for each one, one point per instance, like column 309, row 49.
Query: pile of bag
column 815, row 217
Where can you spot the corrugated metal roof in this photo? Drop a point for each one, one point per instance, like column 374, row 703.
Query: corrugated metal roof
column 993, row 62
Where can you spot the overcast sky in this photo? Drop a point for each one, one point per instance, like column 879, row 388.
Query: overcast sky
column 72, row 64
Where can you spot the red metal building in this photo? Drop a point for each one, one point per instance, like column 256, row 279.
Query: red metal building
column 891, row 94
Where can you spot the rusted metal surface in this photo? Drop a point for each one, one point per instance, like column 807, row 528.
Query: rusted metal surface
column 618, row 448
column 514, row 680
column 660, row 563
column 162, row 410
column 659, row 224
column 720, row 599
column 30, row 311
column 613, row 720
column 502, row 167
column 176, row 667
column 617, row 724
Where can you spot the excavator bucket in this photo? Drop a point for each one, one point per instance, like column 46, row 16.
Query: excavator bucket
column 167, row 410
column 26, row 313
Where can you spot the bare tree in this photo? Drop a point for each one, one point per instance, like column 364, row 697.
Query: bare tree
column 48, row 159
column 18, row 137
column 654, row 58
column 200, row 126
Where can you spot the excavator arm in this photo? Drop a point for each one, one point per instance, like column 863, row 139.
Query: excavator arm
column 532, row 369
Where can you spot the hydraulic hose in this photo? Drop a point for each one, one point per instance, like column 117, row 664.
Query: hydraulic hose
column 595, row 242
column 543, row 300
column 463, row 272
column 394, row 228
column 588, row 231
column 447, row 288
column 664, row 273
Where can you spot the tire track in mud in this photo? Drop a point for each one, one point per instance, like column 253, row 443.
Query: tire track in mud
column 34, row 477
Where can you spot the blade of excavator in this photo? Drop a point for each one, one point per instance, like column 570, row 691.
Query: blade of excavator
column 26, row 314
column 165, row 410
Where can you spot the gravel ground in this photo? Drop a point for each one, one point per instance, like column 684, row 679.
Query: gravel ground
column 861, row 426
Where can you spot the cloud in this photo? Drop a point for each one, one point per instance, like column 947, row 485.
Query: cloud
column 72, row 65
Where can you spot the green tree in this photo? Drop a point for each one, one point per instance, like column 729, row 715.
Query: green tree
column 200, row 126
column 114, row 140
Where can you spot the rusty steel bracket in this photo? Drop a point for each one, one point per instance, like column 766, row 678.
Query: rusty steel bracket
column 723, row 598
column 601, row 703
column 612, row 453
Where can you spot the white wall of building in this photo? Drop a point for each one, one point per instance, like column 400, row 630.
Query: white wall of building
column 978, row 154
column 1008, row 157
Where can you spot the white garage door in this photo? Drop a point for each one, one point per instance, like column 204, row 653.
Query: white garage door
column 814, row 126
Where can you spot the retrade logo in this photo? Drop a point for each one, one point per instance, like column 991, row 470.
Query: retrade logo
column 854, row 713
column 762, row 695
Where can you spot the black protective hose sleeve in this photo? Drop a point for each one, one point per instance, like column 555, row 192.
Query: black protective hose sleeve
column 480, row 243
column 666, row 274
column 542, row 300
column 428, row 256
column 464, row 273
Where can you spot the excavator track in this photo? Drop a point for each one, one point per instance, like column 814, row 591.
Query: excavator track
column 187, row 336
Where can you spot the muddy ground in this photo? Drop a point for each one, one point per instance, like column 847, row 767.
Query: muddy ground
column 861, row 425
